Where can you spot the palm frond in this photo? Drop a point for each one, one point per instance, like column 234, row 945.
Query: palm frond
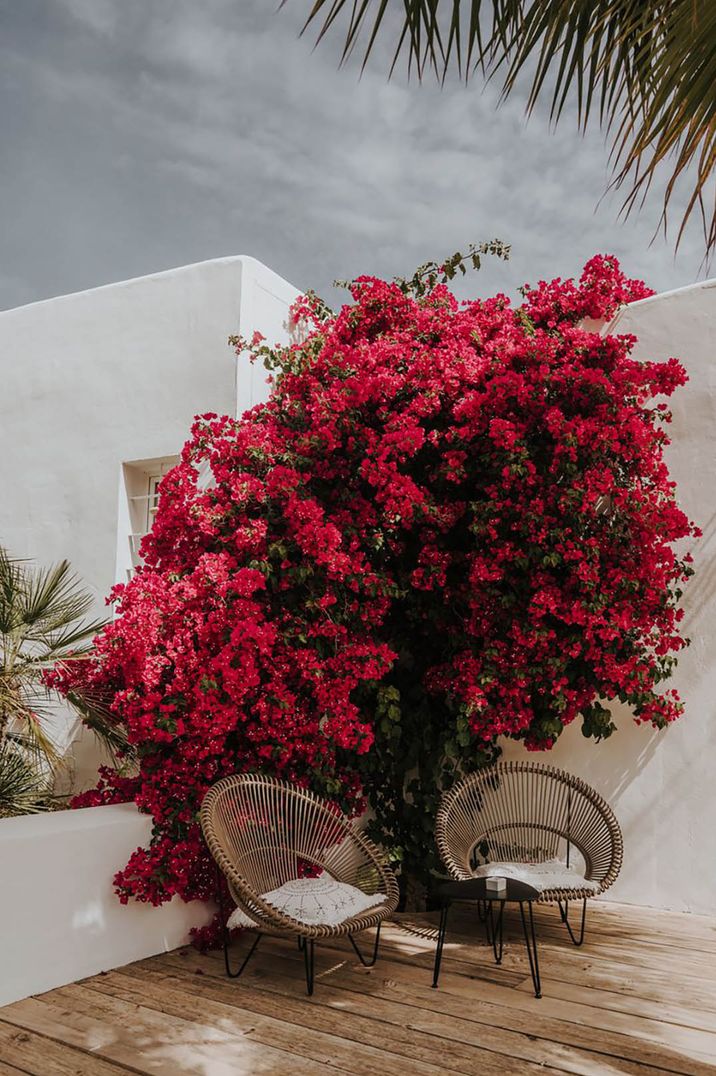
column 65, row 640
column 10, row 587
column 96, row 714
column 23, row 789
column 51, row 599
column 645, row 68
column 43, row 620
column 30, row 735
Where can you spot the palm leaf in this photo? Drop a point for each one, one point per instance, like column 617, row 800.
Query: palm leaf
column 10, row 586
column 95, row 711
column 52, row 598
column 43, row 620
column 23, row 790
column 35, row 743
column 647, row 68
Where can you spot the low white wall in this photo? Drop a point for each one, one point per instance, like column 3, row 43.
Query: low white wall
column 60, row 919
column 662, row 785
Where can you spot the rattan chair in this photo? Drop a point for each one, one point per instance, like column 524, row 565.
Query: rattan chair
column 523, row 812
column 263, row 832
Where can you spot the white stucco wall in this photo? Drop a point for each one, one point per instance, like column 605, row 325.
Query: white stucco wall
column 60, row 919
column 662, row 785
column 117, row 373
column 114, row 374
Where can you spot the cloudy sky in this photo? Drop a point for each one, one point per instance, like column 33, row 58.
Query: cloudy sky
column 138, row 135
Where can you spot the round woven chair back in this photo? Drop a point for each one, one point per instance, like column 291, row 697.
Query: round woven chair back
column 524, row 812
column 273, row 832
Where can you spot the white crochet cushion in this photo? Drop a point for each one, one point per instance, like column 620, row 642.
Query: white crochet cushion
column 318, row 901
column 551, row 874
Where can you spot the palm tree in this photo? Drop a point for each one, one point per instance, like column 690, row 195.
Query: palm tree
column 43, row 620
column 646, row 68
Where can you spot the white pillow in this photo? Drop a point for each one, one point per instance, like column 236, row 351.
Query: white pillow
column 551, row 874
column 318, row 901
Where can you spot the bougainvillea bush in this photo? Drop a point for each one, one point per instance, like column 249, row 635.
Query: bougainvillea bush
column 450, row 522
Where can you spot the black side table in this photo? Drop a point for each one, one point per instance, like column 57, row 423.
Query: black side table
column 475, row 889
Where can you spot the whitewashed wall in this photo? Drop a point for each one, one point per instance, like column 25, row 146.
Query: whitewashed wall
column 662, row 785
column 60, row 919
column 117, row 373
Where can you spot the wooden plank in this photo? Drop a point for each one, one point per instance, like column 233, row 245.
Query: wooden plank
column 558, row 963
column 631, row 952
column 591, row 972
column 671, row 946
column 564, row 963
column 639, row 998
column 556, row 947
column 674, row 1026
column 668, row 1046
column 683, row 924
column 665, row 1013
column 529, row 1037
column 607, row 929
column 690, row 1042
column 681, row 927
column 298, row 1023
column 10, row 1070
column 39, row 1056
column 473, row 1053
column 161, row 1045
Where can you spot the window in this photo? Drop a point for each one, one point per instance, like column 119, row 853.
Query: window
column 150, row 499
column 139, row 494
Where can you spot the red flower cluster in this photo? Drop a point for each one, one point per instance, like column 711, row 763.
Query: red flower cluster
column 450, row 522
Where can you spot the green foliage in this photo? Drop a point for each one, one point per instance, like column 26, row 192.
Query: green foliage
column 417, row 754
column 43, row 621
column 597, row 722
column 23, row 788
column 427, row 276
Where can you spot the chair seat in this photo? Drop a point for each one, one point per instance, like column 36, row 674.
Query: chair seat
column 318, row 901
column 550, row 874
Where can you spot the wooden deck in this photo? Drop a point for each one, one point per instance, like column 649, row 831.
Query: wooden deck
column 640, row 998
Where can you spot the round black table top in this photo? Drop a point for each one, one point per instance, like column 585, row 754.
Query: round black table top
column 476, row 889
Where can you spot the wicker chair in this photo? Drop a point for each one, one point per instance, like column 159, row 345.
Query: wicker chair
column 263, row 832
column 523, row 812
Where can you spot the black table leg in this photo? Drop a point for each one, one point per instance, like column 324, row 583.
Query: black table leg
column 531, row 943
column 308, row 947
column 441, row 942
column 493, row 926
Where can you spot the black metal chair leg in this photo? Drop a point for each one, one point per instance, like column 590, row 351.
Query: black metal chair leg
column 494, row 930
column 364, row 962
column 308, row 948
column 229, row 972
column 531, row 937
column 226, row 934
column 564, row 915
column 441, row 941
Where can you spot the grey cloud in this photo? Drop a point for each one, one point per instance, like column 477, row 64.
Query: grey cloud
column 142, row 135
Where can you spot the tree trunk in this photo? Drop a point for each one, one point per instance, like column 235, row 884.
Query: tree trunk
column 415, row 892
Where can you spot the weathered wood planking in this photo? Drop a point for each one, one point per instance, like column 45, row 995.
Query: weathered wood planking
column 639, row 998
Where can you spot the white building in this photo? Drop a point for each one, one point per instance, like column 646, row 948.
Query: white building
column 662, row 784
column 99, row 392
